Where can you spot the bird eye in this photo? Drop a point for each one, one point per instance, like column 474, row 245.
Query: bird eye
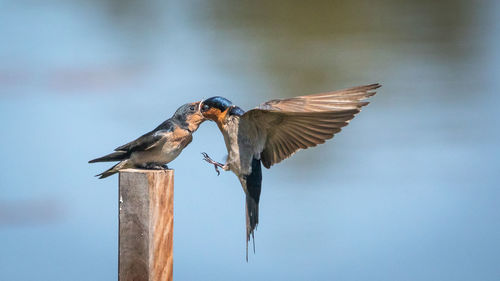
column 191, row 108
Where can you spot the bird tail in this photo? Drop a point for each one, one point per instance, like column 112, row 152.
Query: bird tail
column 114, row 169
column 253, row 184
column 115, row 156
column 252, row 214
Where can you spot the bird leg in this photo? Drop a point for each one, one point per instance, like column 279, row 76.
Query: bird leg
column 215, row 163
column 165, row 167
column 153, row 166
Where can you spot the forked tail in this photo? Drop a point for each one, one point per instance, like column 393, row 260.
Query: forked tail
column 253, row 184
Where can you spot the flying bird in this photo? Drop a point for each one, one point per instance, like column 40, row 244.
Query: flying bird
column 274, row 131
column 154, row 150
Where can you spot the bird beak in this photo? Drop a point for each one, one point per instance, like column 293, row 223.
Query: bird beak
column 199, row 103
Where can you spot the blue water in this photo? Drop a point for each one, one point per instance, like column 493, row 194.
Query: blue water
column 408, row 191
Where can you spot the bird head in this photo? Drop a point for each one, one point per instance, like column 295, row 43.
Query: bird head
column 189, row 115
column 215, row 108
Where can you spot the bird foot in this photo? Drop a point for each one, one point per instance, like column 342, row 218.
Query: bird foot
column 211, row 161
column 154, row 166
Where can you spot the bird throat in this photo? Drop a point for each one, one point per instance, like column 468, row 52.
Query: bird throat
column 221, row 118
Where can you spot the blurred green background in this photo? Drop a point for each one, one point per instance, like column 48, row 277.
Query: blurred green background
column 408, row 191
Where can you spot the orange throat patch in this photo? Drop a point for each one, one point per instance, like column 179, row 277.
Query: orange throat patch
column 217, row 116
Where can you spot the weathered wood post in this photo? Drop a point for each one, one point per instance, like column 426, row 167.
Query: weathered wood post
column 146, row 225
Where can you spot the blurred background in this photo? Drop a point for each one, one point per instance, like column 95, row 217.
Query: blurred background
column 408, row 191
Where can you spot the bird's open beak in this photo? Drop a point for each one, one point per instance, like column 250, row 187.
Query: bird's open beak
column 200, row 104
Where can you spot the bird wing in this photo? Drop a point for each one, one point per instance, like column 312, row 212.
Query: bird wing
column 288, row 125
column 149, row 140
column 330, row 101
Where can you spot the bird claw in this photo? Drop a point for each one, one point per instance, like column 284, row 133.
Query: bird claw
column 211, row 161
column 152, row 166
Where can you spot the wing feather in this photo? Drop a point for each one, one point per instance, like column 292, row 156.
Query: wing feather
column 343, row 99
column 150, row 139
column 305, row 121
column 145, row 142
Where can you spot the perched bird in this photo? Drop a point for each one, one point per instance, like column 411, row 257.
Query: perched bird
column 274, row 131
column 158, row 147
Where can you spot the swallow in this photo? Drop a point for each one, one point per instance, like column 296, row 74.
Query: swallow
column 154, row 150
column 274, row 131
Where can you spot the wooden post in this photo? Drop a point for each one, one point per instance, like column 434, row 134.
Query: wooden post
column 146, row 225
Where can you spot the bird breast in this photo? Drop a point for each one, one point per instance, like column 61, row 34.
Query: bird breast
column 165, row 152
column 240, row 146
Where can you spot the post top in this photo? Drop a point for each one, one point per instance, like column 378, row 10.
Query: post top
column 147, row 171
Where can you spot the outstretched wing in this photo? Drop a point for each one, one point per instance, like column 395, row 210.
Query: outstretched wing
column 306, row 121
column 330, row 101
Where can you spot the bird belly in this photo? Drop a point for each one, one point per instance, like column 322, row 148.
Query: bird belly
column 161, row 155
column 240, row 153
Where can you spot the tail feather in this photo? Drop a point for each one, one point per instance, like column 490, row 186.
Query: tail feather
column 252, row 219
column 115, row 156
column 113, row 170
column 253, row 183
